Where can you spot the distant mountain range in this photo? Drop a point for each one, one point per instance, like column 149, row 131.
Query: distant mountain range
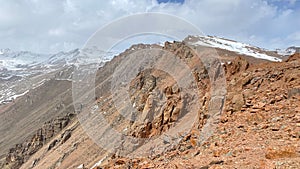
column 30, row 69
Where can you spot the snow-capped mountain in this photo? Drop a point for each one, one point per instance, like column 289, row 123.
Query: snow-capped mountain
column 12, row 60
column 20, row 71
column 234, row 46
column 79, row 56
column 289, row 51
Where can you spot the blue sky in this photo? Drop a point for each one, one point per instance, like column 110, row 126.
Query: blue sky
column 50, row 26
column 285, row 4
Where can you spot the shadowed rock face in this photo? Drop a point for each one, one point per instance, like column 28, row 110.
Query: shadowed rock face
column 258, row 127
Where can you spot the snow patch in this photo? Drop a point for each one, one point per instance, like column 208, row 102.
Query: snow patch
column 19, row 95
column 10, row 96
column 40, row 83
column 240, row 48
column 81, row 166
column 98, row 163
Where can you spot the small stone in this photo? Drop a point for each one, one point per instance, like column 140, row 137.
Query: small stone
column 65, row 136
column 229, row 154
column 224, row 119
column 275, row 119
column 254, row 110
column 216, row 162
column 245, row 74
column 266, row 164
column 120, row 162
column 259, row 105
column 166, row 140
column 275, row 129
column 267, row 109
column 238, row 102
column 279, row 163
column 204, row 167
column 281, row 152
column 197, row 153
column 52, row 144
column 278, row 98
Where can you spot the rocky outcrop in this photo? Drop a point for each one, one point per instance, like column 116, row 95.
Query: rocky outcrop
column 21, row 152
column 294, row 57
column 259, row 127
column 156, row 114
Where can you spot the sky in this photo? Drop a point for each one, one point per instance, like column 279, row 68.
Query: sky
column 50, row 26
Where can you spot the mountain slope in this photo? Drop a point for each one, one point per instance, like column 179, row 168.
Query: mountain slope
column 257, row 117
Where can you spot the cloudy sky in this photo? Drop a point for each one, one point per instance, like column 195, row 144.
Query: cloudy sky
column 49, row 26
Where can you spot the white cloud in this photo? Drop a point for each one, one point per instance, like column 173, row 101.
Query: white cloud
column 52, row 25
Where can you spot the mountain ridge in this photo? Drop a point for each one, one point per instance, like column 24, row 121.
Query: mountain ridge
column 246, row 76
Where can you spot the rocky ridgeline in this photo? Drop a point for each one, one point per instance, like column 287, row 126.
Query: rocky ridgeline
column 160, row 102
column 259, row 126
column 22, row 152
column 147, row 91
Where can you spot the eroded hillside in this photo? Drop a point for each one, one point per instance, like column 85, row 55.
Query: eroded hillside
column 258, row 127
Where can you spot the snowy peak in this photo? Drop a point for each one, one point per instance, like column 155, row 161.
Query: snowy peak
column 289, row 51
column 63, row 57
column 234, row 46
column 12, row 60
column 21, row 70
column 18, row 60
